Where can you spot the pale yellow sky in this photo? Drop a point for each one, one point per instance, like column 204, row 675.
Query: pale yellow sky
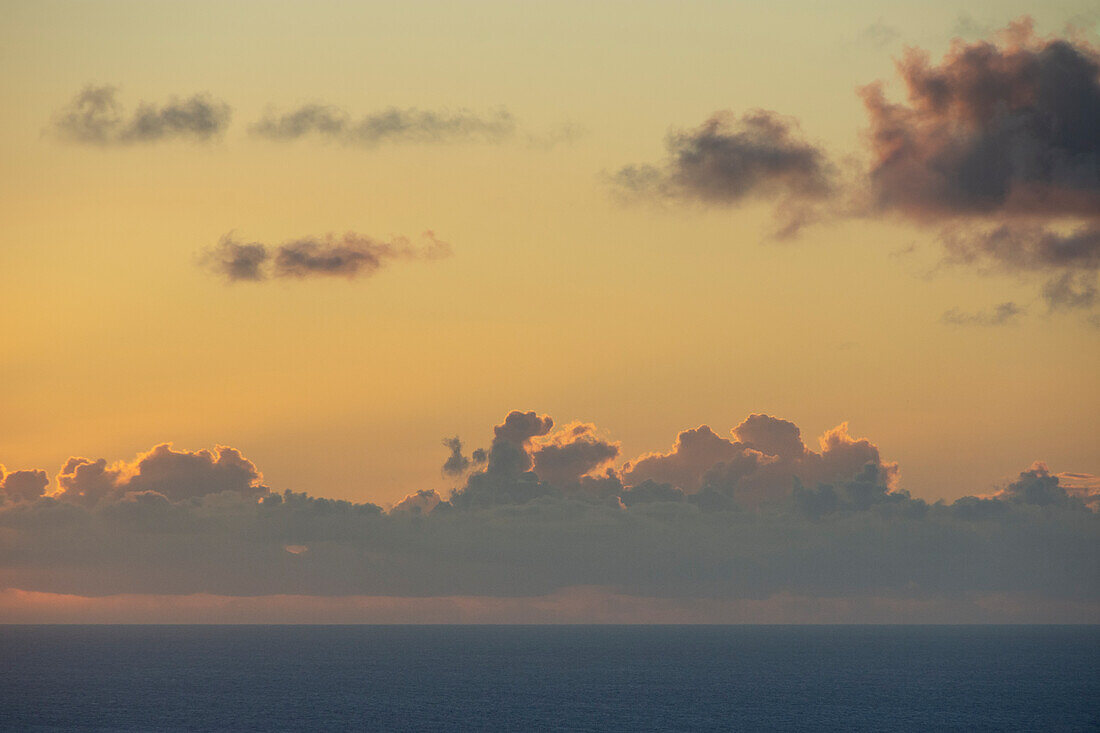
column 559, row 299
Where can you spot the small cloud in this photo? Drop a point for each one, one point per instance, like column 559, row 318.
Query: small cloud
column 728, row 160
column 1001, row 315
column 1071, row 291
column 350, row 256
column 296, row 549
column 879, row 34
column 95, row 117
column 392, row 125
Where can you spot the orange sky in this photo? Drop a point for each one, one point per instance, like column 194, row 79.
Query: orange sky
column 643, row 319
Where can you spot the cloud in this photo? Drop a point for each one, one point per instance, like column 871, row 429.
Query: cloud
column 1001, row 315
column 566, row 456
column 1070, row 291
column 237, row 260
column 751, row 517
column 350, row 256
column 162, row 472
column 22, row 485
column 997, row 145
column 392, row 125
column 761, row 463
column 421, row 502
column 993, row 129
column 728, row 160
column 456, row 463
column 95, row 117
column 879, row 34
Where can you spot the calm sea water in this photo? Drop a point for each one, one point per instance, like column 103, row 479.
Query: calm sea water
column 534, row 678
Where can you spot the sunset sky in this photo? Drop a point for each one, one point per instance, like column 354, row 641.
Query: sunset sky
column 331, row 235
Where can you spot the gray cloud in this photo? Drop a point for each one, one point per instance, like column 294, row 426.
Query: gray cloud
column 823, row 524
column 22, row 485
column 388, row 126
column 456, row 463
column 1001, row 315
column 172, row 475
column 728, row 160
column 350, row 255
column 993, row 129
column 95, row 117
column 998, row 145
column 879, row 34
column 1070, row 290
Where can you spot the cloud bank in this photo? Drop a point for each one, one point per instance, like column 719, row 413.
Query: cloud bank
column 750, row 518
column 349, row 256
column 95, row 117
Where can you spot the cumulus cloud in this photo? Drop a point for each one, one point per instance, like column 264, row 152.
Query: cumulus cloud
column 1008, row 128
column 22, row 485
column 728, row 160
column 95, row 117
column 753, row 516
column 162, row 472
column 571, row 453
column 392, row 125
column 420, row 502
column 998, row 145
column 349, row 256
column 1001, row 315
column 762, row 462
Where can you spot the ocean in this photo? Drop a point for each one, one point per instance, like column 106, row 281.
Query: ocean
column 550, row 678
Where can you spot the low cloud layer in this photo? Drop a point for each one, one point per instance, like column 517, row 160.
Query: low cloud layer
column 751, row 517
column 96, row 117
column 349, row 256
column 392, row 125
column 728, row 160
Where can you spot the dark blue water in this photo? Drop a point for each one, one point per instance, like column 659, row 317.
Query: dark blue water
column 531, row 678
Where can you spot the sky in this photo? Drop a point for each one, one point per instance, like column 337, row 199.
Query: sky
column 307, row 243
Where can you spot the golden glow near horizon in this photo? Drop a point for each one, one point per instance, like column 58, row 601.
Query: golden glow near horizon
column 641, row 319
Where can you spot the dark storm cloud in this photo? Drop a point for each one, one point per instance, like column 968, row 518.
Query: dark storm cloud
column 824, row 523
column 728, row 160
column 388, row 126
column 350, row 255
column 95, row 117
column 1001, row 315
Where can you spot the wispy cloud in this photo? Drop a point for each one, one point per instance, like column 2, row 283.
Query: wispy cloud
column 1001, row 315
column 391, row 125
column 728, row 160
column 350, row 256
column 95, row 117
